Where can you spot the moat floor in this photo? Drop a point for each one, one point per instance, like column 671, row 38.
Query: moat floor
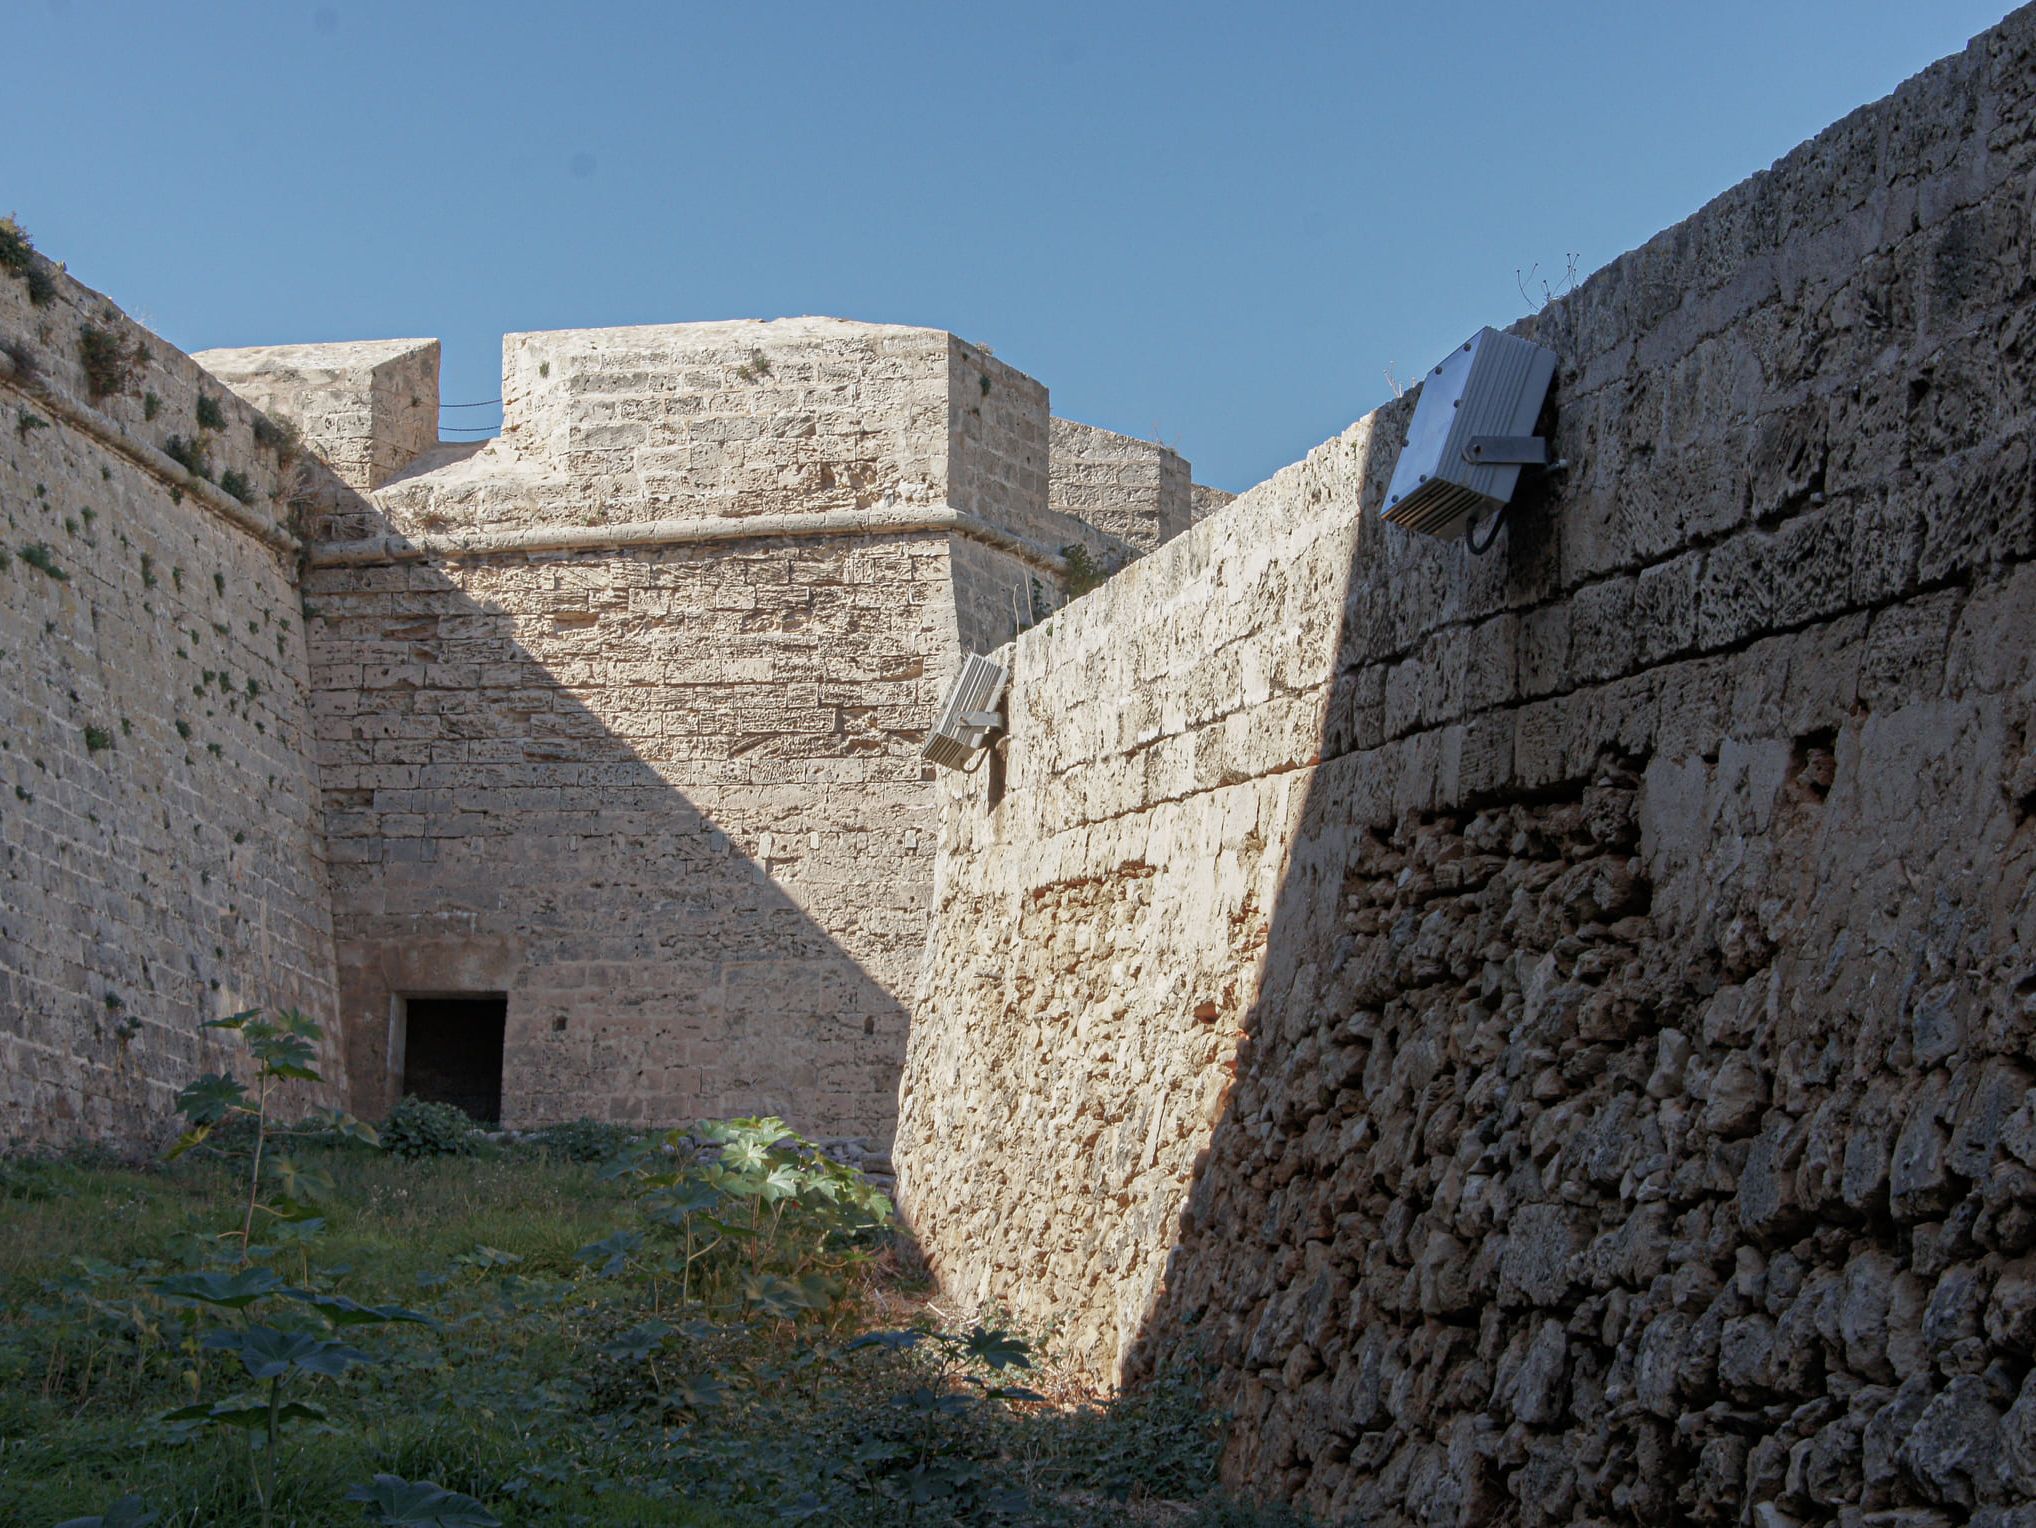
column 560, row 1373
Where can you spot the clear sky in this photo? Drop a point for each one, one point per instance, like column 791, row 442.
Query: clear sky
column 1217, row 225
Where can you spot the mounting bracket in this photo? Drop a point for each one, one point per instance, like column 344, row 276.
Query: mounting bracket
column 1506, row 451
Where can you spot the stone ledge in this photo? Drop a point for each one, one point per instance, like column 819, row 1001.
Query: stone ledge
column 643, row 534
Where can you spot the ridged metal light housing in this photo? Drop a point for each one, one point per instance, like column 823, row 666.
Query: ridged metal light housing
column 969, row 714
column 1471, row 434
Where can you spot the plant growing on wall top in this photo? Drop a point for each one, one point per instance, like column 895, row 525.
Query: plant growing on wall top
column 190, row 453
column 280, row 434
column 1084, row 572
column 17, row 250
column 111, row 365
column 18, row 258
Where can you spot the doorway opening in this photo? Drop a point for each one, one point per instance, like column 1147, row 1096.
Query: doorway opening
column 452, row 1052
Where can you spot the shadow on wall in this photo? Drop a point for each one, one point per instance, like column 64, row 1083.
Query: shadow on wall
column 496, row 739
column 1626, row 1128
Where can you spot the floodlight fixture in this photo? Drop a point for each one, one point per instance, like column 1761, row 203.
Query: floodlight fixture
column 1472, row 432
column 969, row 714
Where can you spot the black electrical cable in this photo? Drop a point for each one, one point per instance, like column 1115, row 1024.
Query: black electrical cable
column 480, row 405
column 1479, row 548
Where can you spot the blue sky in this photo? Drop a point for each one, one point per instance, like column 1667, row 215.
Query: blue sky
column 1213, row 225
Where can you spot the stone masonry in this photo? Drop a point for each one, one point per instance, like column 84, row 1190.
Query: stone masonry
column 1553, row 1032
column 1134, row 491
column 1548, row 1035
column 162, row 857
column 615, row 717
column 619, row 713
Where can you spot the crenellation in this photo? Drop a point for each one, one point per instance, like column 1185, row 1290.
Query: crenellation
column 367, row 408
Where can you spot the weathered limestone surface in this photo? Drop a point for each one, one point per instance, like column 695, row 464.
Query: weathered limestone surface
column 367, row 407
column 1204, row 501
column 1555, row 1030
column 161, row 859
column 618, row 714
column 1134, row 491
column 655, row 775
column 670, row 803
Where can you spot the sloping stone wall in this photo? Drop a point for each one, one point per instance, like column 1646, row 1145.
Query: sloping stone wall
column 1553, row 1031
column 161, row 860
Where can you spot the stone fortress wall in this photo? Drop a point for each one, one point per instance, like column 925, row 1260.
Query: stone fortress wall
column 1554, row 1031
column 615, row 716
column 162, row 857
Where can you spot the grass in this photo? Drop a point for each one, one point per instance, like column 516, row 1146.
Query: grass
column 523, row 1394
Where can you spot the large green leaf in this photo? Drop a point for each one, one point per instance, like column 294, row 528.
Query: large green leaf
column 252, row 1415
column 232, row 1020
column 282, row 1054
column 301, row 1185
column 267, row 1353
column 420, row 1504
column 611, row 1254
column 701, row 1394
column 232, row 1290
column 639, row 1342
column 341, row 1311
column 674, row 1204
column 128, row 1512
column 998, row 1348
column 210, row 1099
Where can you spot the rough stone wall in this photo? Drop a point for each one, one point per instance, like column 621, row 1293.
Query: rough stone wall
column 160, row 855
column 620, row 715
column 1105, row 887
column 367, row 408
column 1204, row 501
column 799, row 415
column 669, row 802
column 1560, row 1044
column 1136, row 491
column 997, row 594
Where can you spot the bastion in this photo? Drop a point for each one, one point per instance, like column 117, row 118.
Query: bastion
column 596, row 744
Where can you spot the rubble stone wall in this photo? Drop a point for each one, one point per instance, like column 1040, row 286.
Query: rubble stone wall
column 161, row 860
column 1553, row 1031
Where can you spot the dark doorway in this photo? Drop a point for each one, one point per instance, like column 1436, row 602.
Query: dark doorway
column 452, row 1052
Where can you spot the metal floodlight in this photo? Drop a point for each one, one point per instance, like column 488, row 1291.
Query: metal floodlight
column 969, row 714
column 1471, row 435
